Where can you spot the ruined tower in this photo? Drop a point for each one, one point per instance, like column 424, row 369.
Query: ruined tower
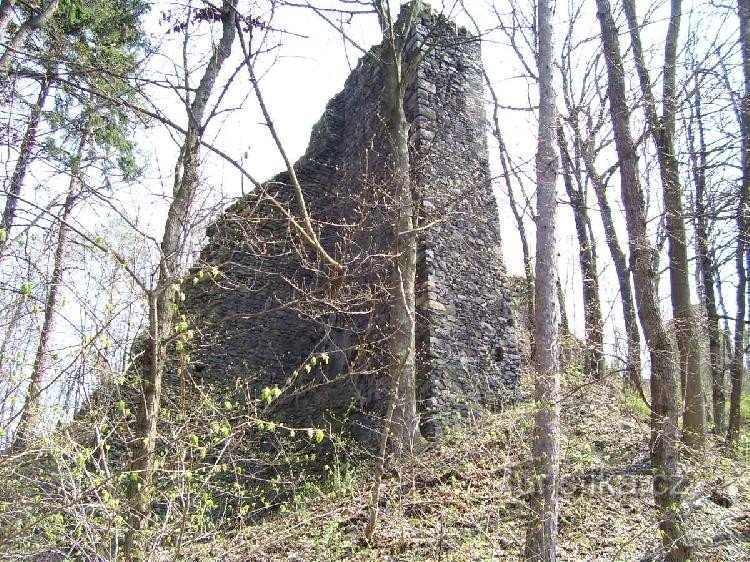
column 268, row 312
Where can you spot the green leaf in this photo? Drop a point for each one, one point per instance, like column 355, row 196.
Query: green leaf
column 265, row 395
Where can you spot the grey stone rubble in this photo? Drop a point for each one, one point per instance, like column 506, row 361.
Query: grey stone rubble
column 269, row 310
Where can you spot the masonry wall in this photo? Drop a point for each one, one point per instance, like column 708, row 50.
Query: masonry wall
column 269, row 310
column 470, row 353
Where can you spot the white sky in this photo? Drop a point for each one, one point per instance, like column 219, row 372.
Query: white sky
column 309, row 66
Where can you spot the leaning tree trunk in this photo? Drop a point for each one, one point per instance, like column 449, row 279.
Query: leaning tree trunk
column 162, row 297
column 6, row 12
column 31, row 408
column 22, row 165
column 31, row 25
column 592, row 310
column 633, row 362
column 707, row 269
column 742, row 255
column 663, row 133
column 541, row 532
column 664, row 455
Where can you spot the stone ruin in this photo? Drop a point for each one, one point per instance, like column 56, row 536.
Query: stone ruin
column 267, row 314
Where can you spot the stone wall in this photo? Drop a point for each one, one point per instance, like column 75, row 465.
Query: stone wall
column 270, row 311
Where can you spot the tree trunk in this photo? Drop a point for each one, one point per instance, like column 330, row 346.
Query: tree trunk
column 404, row 425
column 28, row 27
column 401, row 421
column 563, row 313
column 742, row 255
column 162, row 298
column 706, row 268
column 541, row 532
column 664, row 455
column 663, row 133
column 517, row 215
column 592, row 310
column 622, row 271
column 22, row 165
column 31, row 408
column 6, row 12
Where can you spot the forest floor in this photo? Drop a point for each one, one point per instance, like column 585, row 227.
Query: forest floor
column 464, row 498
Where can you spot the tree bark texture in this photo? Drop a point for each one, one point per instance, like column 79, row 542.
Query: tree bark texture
column 742, row 256
column 31, row 409
column 22, row 165
column 707, row 269
column 664, row 454
column 162, row 298
column 404, row 425
column 592, row 310
column 622, row 270
column 663, row 133
column 541, row 532
column 401, row 421
column 32, row 24
column 6, row 13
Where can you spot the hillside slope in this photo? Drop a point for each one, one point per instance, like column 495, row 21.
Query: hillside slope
column 463, row 499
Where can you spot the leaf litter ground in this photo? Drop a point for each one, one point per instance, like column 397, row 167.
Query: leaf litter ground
column 464, row 498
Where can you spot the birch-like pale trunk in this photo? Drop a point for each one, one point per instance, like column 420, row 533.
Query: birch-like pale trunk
column 664, row 442
column 541, row 532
